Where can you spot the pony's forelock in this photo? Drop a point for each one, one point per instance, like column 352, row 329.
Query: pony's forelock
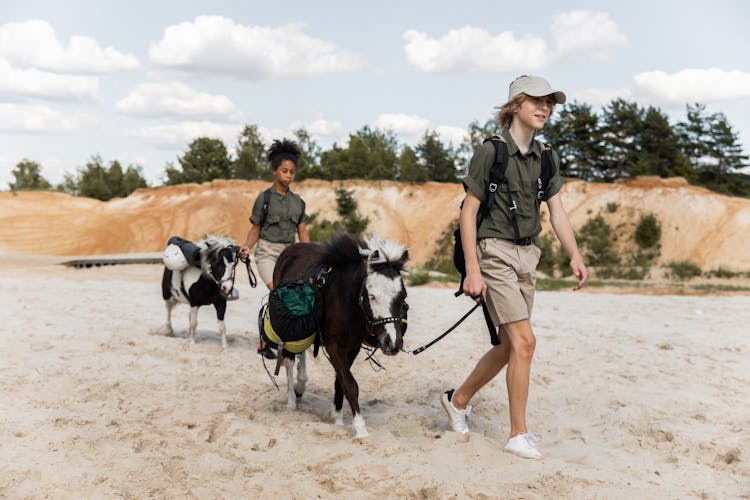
column 210, row 246
column 388, row 251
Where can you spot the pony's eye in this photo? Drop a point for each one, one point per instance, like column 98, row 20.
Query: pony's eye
column 372, row 298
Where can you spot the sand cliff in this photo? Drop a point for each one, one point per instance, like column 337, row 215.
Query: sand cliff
column 698, row 225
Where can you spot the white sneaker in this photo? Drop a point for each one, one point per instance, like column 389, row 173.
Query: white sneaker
column 459, row 418
column 523, row 445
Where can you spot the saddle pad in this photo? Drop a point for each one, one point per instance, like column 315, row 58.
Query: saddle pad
column 293, row 346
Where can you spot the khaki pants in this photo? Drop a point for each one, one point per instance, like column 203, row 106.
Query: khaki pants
column 510, row 273
column 266, row 255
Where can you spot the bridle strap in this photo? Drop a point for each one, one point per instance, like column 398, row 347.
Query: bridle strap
column 383, row 321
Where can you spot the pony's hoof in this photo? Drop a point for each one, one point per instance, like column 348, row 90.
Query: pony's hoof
column 338, row 417
column 361, row 435
column 162, row 331
column 291, row 405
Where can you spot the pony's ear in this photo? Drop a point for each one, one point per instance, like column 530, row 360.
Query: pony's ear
column 404, row 256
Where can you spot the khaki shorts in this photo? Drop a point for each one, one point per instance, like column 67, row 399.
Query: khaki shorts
column 266, row 255
column 510, row 273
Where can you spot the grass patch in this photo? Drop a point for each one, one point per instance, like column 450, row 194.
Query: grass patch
column 715, row 287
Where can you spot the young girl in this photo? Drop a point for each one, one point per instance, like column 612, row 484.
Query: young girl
column 278, row 215
column 501, row 262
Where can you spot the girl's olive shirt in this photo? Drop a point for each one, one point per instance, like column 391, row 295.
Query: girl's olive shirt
column 284, row 212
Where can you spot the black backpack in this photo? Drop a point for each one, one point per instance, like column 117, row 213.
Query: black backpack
column 497, row 177
column 267, row 201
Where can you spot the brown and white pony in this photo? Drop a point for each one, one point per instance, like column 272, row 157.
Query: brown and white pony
column 364, row 302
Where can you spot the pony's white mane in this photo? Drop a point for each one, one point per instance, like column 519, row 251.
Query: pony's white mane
column 209, row 246
column 388, row 251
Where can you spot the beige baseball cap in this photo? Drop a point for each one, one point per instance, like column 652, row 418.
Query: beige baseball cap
column 535, row 86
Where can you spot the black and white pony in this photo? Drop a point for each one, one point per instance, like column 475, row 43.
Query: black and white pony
column 364, row 302
column 212, row 283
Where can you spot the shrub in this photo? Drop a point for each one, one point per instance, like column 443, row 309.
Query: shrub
column 723, row 272
column 648, row 232
column 683, row 270
column 322, row 230
column 595, row 240
column 612, row 207
column 547, row 262
column 442, row 258
column 418, row 278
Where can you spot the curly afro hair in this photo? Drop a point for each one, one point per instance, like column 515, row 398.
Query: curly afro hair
column 282, row 150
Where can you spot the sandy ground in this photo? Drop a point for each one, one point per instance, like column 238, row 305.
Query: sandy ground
column 632, row 396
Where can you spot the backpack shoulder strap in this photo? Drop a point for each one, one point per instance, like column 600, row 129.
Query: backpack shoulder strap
column 497, row 172
column 266, row 202
column 548, row 171
column 302, row 212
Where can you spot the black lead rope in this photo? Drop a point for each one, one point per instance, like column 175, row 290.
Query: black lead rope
column 420, row 349
column 250, row 273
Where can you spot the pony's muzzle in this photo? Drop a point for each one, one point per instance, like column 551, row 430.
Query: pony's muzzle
column 391, row 342
column 226, row 288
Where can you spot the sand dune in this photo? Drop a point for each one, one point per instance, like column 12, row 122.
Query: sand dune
column 632, row 396
column 697, row 225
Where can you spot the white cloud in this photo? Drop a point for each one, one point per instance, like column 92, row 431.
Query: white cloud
column 45, row 85
column 470, row 48
column 402, row 124
column 217, row 45
column 25, row 118
column 578, row 33
column 586, row 33
column 320, row 129
column 411, row 128
column 693, row 85
column 34, row 44
column 175, row 99
column 180, row 135
column 451, row 135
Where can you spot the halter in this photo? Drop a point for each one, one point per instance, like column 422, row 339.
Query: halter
column 231, row 279
column 371, row 321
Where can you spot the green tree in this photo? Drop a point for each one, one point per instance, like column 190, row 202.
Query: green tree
column 370, row 154
column 660, row 152
column 575, row 134
column 622, row 123
column 28, row 177
column 710, row 143
column 724, row 146
column 205, row 160
column 250, row 161
column 477, row 134
column 409, row 169
column 694, row 134
column 438, row 159
column 309, row 160
column 104, row 183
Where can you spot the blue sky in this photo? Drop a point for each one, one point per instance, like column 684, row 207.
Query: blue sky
column 137, row 81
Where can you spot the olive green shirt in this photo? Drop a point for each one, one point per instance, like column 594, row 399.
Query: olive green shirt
column 522, row 172
column 283, row 216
